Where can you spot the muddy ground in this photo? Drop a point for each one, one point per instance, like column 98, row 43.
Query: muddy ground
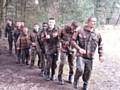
column 105, row 76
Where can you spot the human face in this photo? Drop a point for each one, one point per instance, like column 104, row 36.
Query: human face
column 25, row 30
column 92, row 23
column 51, row 24
column 45, row 26
column 36, row 27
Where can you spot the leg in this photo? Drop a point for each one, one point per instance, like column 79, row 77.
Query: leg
column 87, row 73
column 33, row 56
column 10, row 42
column 79, row 70
column 27, row 55
column 48, row 66
column 23, row 55
column 70, row 62
column 54, row 65
column 62, row 62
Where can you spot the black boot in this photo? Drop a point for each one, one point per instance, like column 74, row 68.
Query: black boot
column 70, row 79
column 85, row 86
column 52, row 78
column 61, row 82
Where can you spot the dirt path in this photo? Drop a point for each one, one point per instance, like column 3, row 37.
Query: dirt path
column 105, row 76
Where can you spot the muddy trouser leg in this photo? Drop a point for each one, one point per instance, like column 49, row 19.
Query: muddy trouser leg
column 62, row 62
column 39, row 58
column 23, row 55
column 33, row 56
column 42, row 61
column 10, row 42
column 27, row 55
column 87, row 72
column 79, row 70
column 54, row 64
column 18, row 55
column 70, row 62
column 48, row 65
column 15, row 46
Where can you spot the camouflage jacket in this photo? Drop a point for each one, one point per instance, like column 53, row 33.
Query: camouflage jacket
column 65, row 36
column 23, row 41
column 52, row 43
column 89, row 41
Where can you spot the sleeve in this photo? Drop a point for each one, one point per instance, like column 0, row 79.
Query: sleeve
column 6, row 30
column 100, row 45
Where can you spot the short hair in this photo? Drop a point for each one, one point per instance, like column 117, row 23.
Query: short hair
column 74, row 24
column 89, row 19
column 52, row 18
column 44, row 23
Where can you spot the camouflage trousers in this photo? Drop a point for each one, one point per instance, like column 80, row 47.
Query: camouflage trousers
column 63, row 57
column 25, row 56
column 34, row 53
column 51, row 63
column 10, row 43
column 83, row 68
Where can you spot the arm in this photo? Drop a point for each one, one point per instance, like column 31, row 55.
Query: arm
column 75, row 45
column 100, row 49
column 6, row 30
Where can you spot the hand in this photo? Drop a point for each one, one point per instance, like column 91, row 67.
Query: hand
column 48, row 36
column 55, row 34
column 33, row 44
column 82, row 51
column 101, row 59
column 18, row 48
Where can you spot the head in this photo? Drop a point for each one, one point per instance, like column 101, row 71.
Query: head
column 91, row 22
column 18, row 25
column 68, row 28
column 51, row 23
column 45, row 26
column 9, row 21
column 74, row 25
column 22, row 24
column 25, row 30
column 36, row 27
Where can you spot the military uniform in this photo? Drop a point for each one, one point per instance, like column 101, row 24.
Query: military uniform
column 41, row 44
column 34, row 49
column 9, row 33
column 66, row 52
column 51, row 49
column 88, row 41
column 23, row 44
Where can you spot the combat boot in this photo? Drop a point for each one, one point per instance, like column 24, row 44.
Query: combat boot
column 61, row 82
column 70, row 79
column 85, row 86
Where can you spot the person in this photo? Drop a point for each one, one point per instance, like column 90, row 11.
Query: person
column 17, row 33
column 86, row 41
column 34, row 45
column 52, row 45
column 67, row 51
column 23, row 45
column 41, row 44
column 9, row 34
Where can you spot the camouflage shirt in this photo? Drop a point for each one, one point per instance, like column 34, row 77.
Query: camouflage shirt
column 52, row 43
column 23, row 41
column 65, row 38
column 89, row 41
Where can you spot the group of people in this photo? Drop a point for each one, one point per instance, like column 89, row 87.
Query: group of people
column 71, row 43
